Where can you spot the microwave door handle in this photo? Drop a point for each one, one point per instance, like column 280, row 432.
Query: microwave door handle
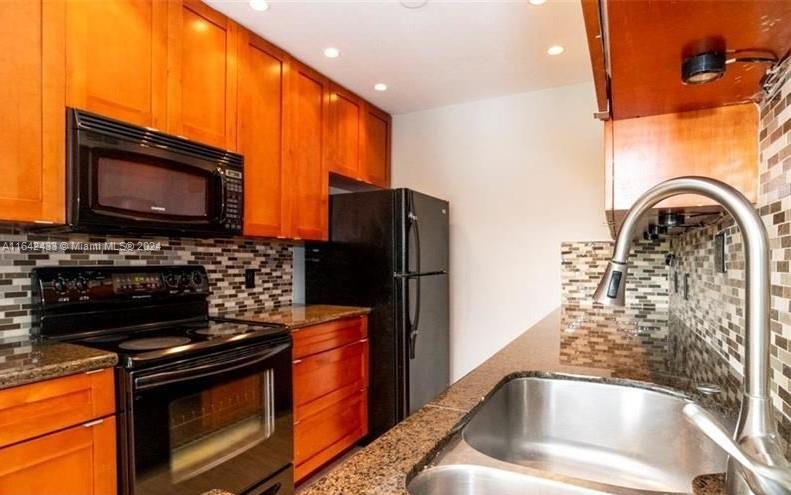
column 221, row 177
column 204, row 371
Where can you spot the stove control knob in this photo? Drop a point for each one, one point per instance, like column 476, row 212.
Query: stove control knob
column 197, row 279
column 59, row 284
column 172, row 280
column 81, row 283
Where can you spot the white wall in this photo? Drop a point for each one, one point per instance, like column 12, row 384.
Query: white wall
column 522, row 173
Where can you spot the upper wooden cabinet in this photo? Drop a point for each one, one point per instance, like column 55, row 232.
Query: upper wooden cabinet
column 721, row 143
column 345, row 114
column 115, row 58
column 263, row 73
column 358, row 139
column 375, row 147
column 306, row 116
column 202, row 73
column 184, row 68
column 32, row 95
column 639, row 55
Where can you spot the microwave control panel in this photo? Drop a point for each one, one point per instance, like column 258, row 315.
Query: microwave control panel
column 234, row 202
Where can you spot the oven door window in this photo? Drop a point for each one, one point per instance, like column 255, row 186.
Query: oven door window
column 146, row 188
column 230, row 431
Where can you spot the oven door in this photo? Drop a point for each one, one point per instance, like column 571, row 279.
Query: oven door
column 124, row 184
column 222, row 421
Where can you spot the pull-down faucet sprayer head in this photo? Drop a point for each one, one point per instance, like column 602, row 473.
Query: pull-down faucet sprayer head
column 611, row 290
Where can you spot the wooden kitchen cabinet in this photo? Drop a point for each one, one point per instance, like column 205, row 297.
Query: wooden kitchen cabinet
column 202, row 54
column 58, row 436
column 308, row 188
column 375, row 146
column 263, row 72
column 32, row 95
column 330, row 391
column 345, row 114
column 630, row 84
column 721, row 143
column 79, row 460
column 116, row 59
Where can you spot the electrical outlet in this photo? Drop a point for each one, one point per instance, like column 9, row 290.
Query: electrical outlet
column 249, row 278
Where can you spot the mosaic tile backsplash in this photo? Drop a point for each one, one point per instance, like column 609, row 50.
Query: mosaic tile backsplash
column 715, row 308
column 584, row 262
column 225, row 261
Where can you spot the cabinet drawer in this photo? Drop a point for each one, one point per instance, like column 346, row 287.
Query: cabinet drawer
column 326, row 336
column 323, row 379
column 31, row 410
column 78, row 460
column 322, row 436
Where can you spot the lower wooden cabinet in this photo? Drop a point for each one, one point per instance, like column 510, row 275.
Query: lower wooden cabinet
column 80, row 460
column 58, row 436
column 330, row 391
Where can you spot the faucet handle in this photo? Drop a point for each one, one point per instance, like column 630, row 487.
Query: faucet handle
column 762, row 478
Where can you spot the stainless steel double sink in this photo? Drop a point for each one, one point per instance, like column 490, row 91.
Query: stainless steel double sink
column 566, row 435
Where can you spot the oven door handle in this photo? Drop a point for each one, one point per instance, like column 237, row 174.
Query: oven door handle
column 154, row 380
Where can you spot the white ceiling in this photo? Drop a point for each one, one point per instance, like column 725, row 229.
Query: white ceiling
column 443, row 53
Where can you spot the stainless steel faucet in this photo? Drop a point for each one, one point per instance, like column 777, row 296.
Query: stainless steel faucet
column 756, row 438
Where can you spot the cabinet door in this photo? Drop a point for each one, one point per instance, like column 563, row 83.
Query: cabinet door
column 80, row 460
column 32, row 143
column 309, row 189
column 343, row 133
column 322, row 437
column 32, row 410
column 263, row 72
column 115, row 58
column 375, row 148
column 201, row 81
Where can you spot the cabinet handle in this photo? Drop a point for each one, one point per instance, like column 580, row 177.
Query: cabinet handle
column 89, row 424
column 91, row 372
column 296, row 361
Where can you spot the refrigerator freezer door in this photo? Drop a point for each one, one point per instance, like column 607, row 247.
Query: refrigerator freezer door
column 426, row 339
column 423, row 234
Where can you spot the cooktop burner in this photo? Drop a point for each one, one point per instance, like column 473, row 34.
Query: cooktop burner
column 218, row 329
column 150, row 344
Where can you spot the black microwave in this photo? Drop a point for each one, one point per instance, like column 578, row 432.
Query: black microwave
column 124, row 178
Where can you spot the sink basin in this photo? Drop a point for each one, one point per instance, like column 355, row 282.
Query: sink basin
column 613, row 434
column 478, row 480
column 573, row 436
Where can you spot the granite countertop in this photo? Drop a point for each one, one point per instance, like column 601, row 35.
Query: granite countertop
column 25, row 360
column 298, row 315
column 570, row 340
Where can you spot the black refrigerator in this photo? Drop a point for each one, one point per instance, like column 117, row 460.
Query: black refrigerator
column 389, row 250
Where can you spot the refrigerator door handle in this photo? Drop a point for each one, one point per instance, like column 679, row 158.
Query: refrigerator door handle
column 414, row 224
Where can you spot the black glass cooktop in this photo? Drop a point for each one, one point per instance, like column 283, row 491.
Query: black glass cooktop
column 173, row 341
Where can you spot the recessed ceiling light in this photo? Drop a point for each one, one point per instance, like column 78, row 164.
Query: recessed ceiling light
column 555, row 50
column 331, row 52
column 380, row 87
column 413, row 4
column 259, row 5
column 537, row 2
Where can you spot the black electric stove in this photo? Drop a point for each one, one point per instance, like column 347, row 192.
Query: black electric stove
column 201, row 403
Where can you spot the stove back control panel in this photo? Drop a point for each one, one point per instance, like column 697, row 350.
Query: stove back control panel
column 68, row 285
